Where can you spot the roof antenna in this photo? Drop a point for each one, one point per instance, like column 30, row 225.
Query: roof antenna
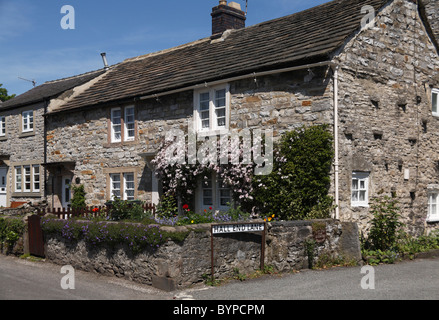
column 34, row 83
column 246, row 6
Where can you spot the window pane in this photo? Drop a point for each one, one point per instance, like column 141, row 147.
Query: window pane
column 205, row 124
column 362, row 184
column 355, row 196
column 434, row 99
column 205, row 115
column 362, row 195
column 221, row 122
column 354, row 184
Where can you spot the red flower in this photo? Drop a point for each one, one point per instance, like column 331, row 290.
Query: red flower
column 95, row 210
column 185, row 206
column 210, row 208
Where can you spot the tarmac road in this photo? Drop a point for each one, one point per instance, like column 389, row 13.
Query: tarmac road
column 409, row 280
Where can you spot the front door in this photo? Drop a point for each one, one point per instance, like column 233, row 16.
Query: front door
column 3, row 172
column 66, row 192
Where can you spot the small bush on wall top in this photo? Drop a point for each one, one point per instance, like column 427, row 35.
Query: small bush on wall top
column 299, row 184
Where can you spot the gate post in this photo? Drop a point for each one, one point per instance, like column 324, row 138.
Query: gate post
column 36, row 241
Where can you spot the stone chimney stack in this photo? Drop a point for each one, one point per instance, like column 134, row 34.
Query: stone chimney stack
column 227, row 16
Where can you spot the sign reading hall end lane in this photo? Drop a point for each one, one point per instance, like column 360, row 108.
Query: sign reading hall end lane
column 236, row 228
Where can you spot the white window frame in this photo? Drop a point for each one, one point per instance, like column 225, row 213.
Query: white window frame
column 36, row 178
column 18, row 174
column 127, row 187
column 112, row 188
column 213, row 117
column 215, row 191
column 435, row 93
column 132, row 122
column 27, row 175
column 124, row 123
column 113, row 125
column 2, row 126
column 433, row 204
column 29, row 117
column 360, row 177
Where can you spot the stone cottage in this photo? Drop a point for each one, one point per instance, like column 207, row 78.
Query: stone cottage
column 369, row 69
column 22, row 139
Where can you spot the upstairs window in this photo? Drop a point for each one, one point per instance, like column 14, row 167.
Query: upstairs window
column 360, row 189
column 2, row 126
column 211, row 108
column 434, row 102
column 27, row 121
column 123, row 124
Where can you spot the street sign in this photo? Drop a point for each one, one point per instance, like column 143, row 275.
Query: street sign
column 236, row 228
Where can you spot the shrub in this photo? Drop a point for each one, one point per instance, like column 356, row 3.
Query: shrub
column 299, row 184
column 385, row 225
column 11, row 230
column 127, row 210
column 78, row 199
column 167, row 206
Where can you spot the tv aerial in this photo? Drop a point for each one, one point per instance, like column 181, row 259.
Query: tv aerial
column 34, row 83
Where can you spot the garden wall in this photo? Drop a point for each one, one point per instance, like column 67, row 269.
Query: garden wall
column 176, row 265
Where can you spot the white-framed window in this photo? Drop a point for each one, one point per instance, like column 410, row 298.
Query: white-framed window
column 211, row 109
column 129, row 186
column 123, row 124
column 435, row 102
column 213, row 193
column 27, row 179
column 360, row 189
column 27, row 120
column 36, row 178
column 2, row 126
column 116, row 125
column 18, row 179
column 129, row 124
column 122, row 186
column 115, row 186
column 433, row 203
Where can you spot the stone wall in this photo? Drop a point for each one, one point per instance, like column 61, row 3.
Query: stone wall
column 431, row 8
column 179, row 265
column 386, row 122
column 18, row 149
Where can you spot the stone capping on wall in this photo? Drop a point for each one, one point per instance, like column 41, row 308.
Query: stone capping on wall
column 180, row 265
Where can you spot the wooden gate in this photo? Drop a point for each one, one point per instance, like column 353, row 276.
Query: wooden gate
column 36, row 242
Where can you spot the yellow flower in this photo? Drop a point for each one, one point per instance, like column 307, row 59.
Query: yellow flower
column 272, row 215
column 265, row 220
column 269, row 219
column 192, row 221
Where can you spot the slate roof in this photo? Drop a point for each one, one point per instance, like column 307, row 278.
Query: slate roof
column 308, row 36
column 49, row 90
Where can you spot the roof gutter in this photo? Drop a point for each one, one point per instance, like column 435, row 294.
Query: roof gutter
column 237, row 78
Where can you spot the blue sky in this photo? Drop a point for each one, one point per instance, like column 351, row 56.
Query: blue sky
column 33, row 45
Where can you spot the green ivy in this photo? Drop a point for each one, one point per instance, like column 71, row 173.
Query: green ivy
column 298, row 187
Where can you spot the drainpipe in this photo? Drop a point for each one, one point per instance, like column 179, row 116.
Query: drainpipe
column 46, row 104
column 336, row 151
